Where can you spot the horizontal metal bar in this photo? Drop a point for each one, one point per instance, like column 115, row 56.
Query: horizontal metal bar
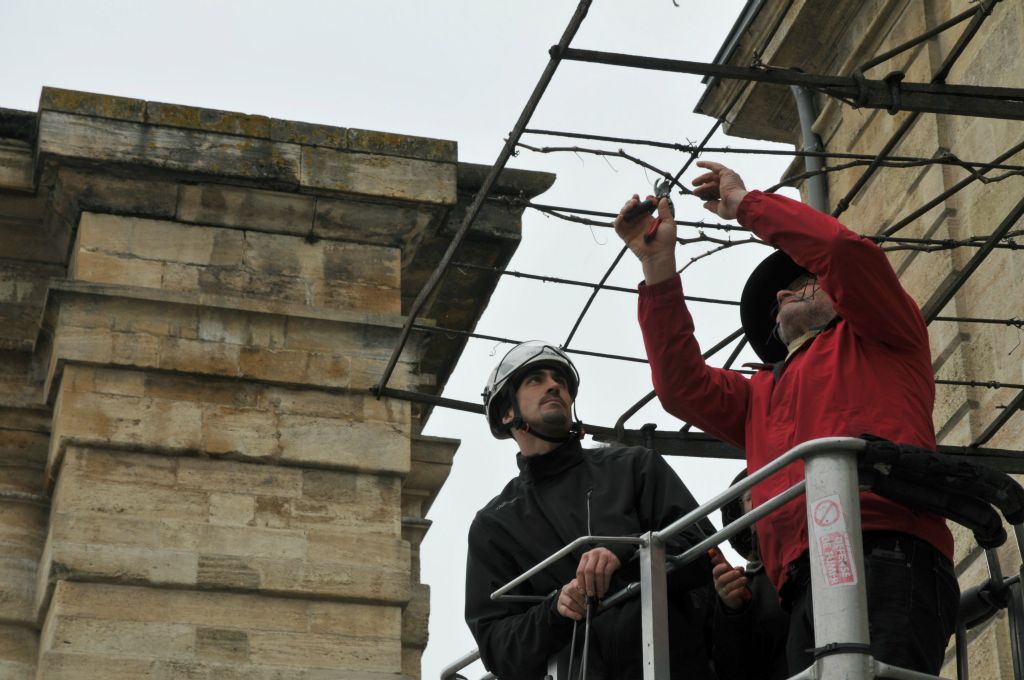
column 479, row 336
column 986, row 102
column 796, row 453
column 794, row 153
column 702, row 445
column 559, row 554
column 740, row 524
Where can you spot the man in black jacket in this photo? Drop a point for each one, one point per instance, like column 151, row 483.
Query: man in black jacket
column 563, row 492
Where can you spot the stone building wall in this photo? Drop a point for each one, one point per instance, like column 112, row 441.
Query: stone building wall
column 836, row 37
column 195, row 480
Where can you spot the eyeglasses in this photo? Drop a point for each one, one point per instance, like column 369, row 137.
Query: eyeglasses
column 800, row 282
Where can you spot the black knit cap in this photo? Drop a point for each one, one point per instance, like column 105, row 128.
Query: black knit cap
column 758, row 304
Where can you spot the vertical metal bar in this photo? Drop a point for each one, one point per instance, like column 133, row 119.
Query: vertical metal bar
column 1015, row 614
column 1018, row 533
column 994, row 569
column 962, row 665
column 837, row 564
column 817, row 186
column 654, row 608
column 553, row 668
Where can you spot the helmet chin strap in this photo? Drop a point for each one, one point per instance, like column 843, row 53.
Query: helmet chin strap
column 576, row 430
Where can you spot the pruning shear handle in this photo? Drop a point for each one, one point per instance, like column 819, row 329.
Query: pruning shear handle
column 662, row 189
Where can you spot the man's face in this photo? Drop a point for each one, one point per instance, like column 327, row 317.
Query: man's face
column 544, row 401
column 802, row 305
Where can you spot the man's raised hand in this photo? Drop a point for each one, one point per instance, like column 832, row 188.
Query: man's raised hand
column 720, row 188
column 658, row 256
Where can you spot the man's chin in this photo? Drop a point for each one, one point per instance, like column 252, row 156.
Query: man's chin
column 553, row 425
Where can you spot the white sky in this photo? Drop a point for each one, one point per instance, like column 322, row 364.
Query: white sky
column 459, row 71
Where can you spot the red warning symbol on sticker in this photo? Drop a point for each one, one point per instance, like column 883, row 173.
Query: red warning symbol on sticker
column 826, row 513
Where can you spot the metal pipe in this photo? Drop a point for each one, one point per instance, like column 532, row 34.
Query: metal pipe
column 654, row 608
column 485, row 188
column 884, row 670
column 935, row 305
column 962, row 665
column 1018, row 533
column 934, row 97
column 837, row 563
column 801, row 153
column 817, row 186
column 1016, row 404
column 735, row 491
column 559, row 554
column 740, row 524
column 939, row 77
column 620, row 424
column 449, row 671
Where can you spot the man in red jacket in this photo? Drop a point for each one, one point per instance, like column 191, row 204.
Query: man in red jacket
column 846, row 353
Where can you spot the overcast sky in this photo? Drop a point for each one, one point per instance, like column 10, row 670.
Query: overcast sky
column 458, row 70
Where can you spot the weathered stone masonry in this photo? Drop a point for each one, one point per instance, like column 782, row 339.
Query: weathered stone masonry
column 195, row 481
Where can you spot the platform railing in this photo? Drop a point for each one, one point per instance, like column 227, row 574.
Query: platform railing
column 832, row 494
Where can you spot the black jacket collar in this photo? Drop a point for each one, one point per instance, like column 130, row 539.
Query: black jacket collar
column 552, row 463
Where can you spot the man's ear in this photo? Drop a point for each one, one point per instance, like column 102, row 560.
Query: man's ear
column 508, row 417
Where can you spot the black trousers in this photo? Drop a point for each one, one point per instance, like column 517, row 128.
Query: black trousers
column 913, row 598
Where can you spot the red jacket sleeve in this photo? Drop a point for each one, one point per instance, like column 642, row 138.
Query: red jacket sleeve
column 853, row 271
column 713, row 399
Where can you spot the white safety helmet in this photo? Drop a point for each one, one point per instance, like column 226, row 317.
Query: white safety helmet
column 499, row 394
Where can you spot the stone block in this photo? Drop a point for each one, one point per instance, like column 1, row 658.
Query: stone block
column 16, row 167
column 236, row 478
column 22, row 379
column 188, row 415
column 158, row 240
column 173, row 256
column 343, row 444
column 414, row 617
column 246, row 208
column 210, row 120
column 231, row 509
column 378, row 176
column 227, row 525
column 309, row 134
column 18, row 646
column 23, row 287
column 400, row 225
column 218, row 341
column 176, row 633
column 66, row 135
column 390, row 144
column 95, row 191
column 90, row 104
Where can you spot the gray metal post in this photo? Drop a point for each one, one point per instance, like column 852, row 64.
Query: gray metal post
column 837, row 565
column 817, row 186
column 654, row 607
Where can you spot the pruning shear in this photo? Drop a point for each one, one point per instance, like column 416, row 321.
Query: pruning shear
column 662, row 189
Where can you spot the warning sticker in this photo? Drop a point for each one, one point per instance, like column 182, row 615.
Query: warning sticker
column 826, row 513
column 833, row 542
